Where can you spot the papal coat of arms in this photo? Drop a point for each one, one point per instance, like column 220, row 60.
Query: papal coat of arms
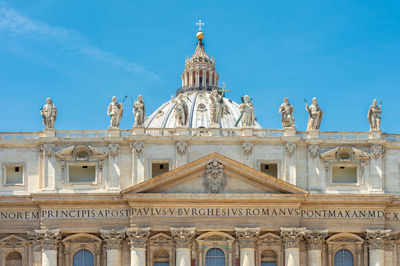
column 214, row 177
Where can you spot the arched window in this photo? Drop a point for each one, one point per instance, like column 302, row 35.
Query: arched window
column 268, row 258
column 161, row 258
column 83, row 258
column 343, row 257
column 215, row 257
column 14, row 259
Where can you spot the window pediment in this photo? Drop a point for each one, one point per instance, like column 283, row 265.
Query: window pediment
column 345, row 154
column 81, row 153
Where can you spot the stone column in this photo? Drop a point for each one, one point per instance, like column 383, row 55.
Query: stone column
column 113, row 240
column 315, row 243
column 181, row 154
column 290, row 163
column 197, row 79
column 247, row 238
column 204, row 81
column 48, row 167
column 183, row 239
column 377, row 168
column 377, row 239
column 138, row 240
column 191, row 79
column 313, row 168
column 292, row 238
column 113, row 167
column 36, row 242
column 50, row 240
column 137, row 162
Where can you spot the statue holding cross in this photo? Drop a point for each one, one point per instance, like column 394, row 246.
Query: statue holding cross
column 217, row 105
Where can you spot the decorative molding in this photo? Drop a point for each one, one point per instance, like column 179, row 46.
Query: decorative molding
column 181, row 147
column 214, row 177
column 138, row 147
column 114, row 150
column 378, row 239
column 316, row 238
column 313, row 151
column 183, row 236
column 113, row 238
column 247, row 148
column 377, row 151
column 247, row 237
column 72, row 153
column 138, row 236
column 48, row 149
column 46, row 239
column 345, row 154
column 290, row 149
column 292, row 236
column 36, row 240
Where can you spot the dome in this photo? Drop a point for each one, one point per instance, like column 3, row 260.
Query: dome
column 198, row 103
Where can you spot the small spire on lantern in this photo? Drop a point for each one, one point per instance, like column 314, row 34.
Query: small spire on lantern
column 200, row 34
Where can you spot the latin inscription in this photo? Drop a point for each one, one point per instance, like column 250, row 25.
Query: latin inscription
column 7, row 215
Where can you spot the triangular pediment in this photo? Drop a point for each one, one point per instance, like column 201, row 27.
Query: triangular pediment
column 215, row 174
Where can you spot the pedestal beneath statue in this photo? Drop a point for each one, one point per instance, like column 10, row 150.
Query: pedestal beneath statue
column 314, row 134
column 289, row 132
column 138, row 131
column 247, row 131
column 114, row 132
column 375, row 134
column 48, row 133
column 181, row 131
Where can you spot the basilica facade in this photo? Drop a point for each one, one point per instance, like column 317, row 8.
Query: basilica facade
column 199, row 182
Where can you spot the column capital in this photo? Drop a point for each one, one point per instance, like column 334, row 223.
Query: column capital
column 315, row 238
column 378, row 239
column 48, row 149
column 45, row 239
column 138, row 236
column 247, row 237
column 183, row 236
column 113, row 238
column 292, row 236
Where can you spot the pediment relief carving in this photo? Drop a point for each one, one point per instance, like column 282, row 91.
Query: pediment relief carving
column 345, row 154
column 12, row 241
column 81, row 153
column 269, row 239
column 160, row 239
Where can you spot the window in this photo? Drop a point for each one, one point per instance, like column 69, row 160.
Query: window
column 161, row 258
column 344, row 174
column 215, row 257
column 161, row 263
column 82, row 173
column 14, row 259
column 343, row 257
column 269, row 168
column 159, row 168
column 83, row 258
column 14, row 174
column 268, row 258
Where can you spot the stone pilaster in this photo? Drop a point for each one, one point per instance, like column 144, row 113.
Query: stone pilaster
column 313, row 167
column 113, row 167
column 138, row 240
column 377, row 168
column 315, row 243
column 292, row 238
column 48, row 169
column 137, row 162
column 36, row 242
column 181, row 153
column 290, row 163
column 247, row 238
column 247, row 153
column 49, row 241
column 377, row 241
column 183, row 239
column 113, row 242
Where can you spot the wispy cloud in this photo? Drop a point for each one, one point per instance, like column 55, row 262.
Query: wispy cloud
column 17, row 24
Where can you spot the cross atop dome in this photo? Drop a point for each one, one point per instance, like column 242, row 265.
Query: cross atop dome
column 200, row 23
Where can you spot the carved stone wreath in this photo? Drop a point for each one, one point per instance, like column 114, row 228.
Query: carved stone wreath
column 214, row 177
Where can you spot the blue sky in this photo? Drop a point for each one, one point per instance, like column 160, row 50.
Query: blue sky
column 81, row 53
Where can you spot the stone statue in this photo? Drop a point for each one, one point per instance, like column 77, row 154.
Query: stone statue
column 374, row 116
column 247, row 112
column 115, row 111
column 49, row 113
column 314, row 115
column 286, row 110
column 217, row 107
column 181, row 110
column 139, row 111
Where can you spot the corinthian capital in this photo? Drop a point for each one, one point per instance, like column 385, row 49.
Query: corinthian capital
column 292, row 236
column 378, row 239
column 247, row 236
column 113, row 238
column 315, row 238
column 48, row 149
column 46, row 239
column 183, row 236
column 138, row 236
